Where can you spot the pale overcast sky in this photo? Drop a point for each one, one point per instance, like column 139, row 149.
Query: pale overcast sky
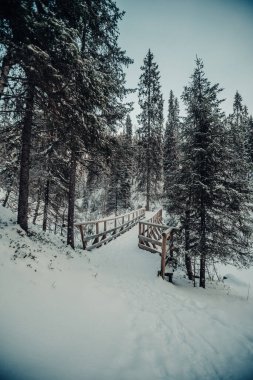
column 218, row 31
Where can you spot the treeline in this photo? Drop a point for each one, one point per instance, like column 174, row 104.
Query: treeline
column 202, row 167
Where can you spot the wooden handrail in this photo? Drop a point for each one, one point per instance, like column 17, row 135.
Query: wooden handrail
column 108, row 219
column 104, row 232
column 150, row 232
column 154, row 236
column 163, row 226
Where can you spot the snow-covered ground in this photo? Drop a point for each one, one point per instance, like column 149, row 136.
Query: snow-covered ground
column 104, row 315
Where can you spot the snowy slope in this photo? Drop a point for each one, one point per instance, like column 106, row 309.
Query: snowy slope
column 104, row 315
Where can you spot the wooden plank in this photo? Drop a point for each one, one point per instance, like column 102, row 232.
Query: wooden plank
column 144, row 238
column 82, row 237
column 140, row 231
column 162, row 226
column 145, row 248
column 163, row 257
column 155, row 234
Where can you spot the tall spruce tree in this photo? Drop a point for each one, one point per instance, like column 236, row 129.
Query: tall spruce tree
column 150, row 131
column 171, row 152
column 218, row 223
column 119, row 186
column 101, row 88
column 238, row 124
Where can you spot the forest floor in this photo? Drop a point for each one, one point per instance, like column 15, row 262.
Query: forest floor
column 105, row 315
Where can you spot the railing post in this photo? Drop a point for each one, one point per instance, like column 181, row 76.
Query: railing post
column 82, row 237
column 97, row 232
column 163, row 257
column 104, row 236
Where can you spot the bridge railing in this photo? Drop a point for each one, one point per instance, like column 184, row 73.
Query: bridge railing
column 95, row 233
column 150, row 233
column 156, row 237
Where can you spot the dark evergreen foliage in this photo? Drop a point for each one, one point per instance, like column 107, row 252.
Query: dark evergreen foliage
column 171, row 152
column 150, row 130
column 213, row 205
column 73, row 73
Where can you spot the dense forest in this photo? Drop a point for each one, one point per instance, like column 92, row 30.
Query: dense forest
column 69, row 148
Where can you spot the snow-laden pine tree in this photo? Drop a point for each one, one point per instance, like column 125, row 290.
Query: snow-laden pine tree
column 119, row 185
column 214, row 210
column 238, row 124
column 171, row 153
column 150, row 131
column 100, row 80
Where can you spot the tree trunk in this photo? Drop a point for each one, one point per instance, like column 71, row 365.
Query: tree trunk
column 25, row 161
column 36, row 212
column 188, row 263
column 63, row 221
column 46, row 204
column 148, row 186
column 71, row 199
column 6, row 197
column 202, row 270
column 55, row 223
column 7, row 64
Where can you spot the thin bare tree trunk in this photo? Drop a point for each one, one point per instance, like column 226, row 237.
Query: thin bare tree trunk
column 202, row 272
column 6, row 197
column 46, row 204
column 188, row 262
column 71, row 199
column 25, row 161
column 36, row 212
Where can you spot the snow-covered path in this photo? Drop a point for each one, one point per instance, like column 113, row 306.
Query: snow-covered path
column 174, row 332
column 106, row 316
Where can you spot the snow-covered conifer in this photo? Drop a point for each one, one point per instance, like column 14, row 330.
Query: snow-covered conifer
column 171, row 152
column 150, row 130
column 218, row 223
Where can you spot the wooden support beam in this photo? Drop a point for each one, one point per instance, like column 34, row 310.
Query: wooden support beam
column 154, row 242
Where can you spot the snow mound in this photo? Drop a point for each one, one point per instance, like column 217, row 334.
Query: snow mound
column 234, row 280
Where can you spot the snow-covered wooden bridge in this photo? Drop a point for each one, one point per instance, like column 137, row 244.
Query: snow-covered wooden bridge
column 154, row 236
